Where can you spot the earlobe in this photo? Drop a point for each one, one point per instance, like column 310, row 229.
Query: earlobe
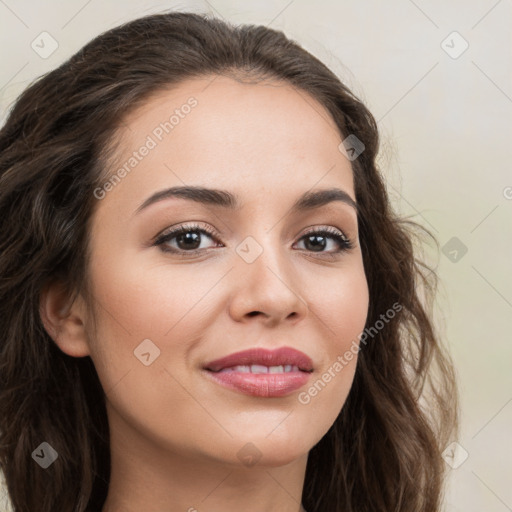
column 64, row 321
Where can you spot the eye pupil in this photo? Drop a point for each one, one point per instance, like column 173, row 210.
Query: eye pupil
column 189, row 236
column 316, row 246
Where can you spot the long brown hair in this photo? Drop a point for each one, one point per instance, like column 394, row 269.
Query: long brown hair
column 383, row 452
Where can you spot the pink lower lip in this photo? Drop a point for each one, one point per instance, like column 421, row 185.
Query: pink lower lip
column 261, row 384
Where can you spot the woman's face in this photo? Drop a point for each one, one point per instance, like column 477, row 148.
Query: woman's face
column 238, row 278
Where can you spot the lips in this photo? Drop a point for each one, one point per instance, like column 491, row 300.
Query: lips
column 257, row 358
column 262, row 373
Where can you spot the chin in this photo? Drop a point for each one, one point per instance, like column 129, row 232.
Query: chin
column 267, row 450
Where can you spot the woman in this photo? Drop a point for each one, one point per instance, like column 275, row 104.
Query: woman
column 286, row 360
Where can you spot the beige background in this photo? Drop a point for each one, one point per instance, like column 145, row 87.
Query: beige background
column 446, row 149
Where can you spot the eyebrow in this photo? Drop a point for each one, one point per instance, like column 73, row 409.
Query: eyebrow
column 224, row 199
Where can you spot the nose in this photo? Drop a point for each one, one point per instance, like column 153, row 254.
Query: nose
column 267, row 289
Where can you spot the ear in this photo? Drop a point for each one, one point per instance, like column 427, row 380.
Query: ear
column 64, row 322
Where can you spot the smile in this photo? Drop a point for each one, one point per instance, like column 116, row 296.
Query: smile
column 260, row 372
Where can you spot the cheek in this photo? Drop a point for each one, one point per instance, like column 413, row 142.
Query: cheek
column 341, row 305
column 163, row 303
column 144, row 301
column 342, row 309
column 169, row 304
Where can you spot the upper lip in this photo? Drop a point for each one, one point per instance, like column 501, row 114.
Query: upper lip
column 281, row 356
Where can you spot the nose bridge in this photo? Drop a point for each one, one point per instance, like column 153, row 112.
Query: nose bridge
column 266, row 278
column 262, row 250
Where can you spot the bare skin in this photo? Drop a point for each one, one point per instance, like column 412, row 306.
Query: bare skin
column 177, row 436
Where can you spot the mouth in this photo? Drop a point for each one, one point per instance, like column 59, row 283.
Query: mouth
column 259, row 360
column 262, row 373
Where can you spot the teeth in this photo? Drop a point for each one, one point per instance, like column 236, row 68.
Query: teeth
column 258, row 368
column 242, row 369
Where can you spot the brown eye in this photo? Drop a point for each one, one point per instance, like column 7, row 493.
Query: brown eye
column 317, row 241
column 187, row 238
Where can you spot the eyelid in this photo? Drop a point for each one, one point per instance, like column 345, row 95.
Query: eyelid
column 187, row 226
column 327, row 228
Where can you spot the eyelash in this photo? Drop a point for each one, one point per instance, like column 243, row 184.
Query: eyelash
column 343, row 241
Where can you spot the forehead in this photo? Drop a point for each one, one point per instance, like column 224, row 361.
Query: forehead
column 245, row 137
